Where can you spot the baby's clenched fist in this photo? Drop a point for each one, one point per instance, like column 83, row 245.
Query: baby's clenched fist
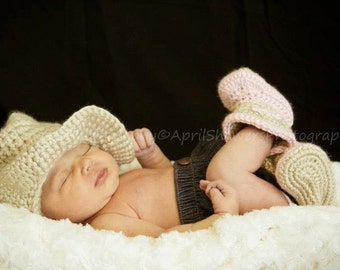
column 143, row 142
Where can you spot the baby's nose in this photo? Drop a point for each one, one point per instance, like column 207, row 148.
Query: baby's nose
column 86, row 166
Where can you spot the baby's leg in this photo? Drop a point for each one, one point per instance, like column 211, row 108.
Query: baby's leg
column 303, row 170
column 236, row 163
column 238, row 160
column 251, row 101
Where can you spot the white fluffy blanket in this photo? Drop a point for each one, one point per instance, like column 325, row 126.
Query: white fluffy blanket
column 296, row 237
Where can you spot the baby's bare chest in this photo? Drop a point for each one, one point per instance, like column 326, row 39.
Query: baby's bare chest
column 149, row 195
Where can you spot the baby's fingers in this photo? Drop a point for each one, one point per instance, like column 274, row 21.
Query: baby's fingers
column 215, row 194
column 210, row 189
column 205, row 186
column 135, row 144
column 148, row 137
column 223, row 188
column 142, row 139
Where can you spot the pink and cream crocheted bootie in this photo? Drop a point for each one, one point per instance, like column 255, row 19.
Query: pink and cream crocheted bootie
column 304, row 172
column 251, row 100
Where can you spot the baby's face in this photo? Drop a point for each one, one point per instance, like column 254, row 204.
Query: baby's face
column 79, row 184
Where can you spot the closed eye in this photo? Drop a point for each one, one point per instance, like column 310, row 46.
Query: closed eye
column 68, row 175
column 65, row 179
column 88, row 149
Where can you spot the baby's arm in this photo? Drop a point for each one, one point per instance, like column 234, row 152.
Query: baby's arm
column 223, row 197
column 147, row 151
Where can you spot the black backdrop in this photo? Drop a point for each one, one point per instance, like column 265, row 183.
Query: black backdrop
column 157, row 63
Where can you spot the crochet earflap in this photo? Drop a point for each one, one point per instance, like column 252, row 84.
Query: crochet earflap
column 28, row 149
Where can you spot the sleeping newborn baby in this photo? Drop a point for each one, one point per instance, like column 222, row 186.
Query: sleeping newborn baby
column 71, row 170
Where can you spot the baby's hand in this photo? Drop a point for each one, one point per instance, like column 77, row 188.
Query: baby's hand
column 143, row 142
column 223, row 197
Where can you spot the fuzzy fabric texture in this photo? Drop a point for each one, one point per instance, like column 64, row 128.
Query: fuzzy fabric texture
column 294, row 237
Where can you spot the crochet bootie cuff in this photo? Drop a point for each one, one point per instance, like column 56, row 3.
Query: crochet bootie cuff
column 304, row 172
column 263, row 117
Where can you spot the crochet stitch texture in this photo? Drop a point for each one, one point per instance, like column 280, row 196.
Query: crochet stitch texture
column 254, row 102
column 28, row 149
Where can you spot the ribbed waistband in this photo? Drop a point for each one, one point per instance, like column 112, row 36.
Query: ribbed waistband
column 193, row 204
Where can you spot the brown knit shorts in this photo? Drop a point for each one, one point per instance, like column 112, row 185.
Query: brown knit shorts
column 192, row 202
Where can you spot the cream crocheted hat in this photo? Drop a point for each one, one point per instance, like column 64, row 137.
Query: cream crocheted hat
column 28, row 149
column 253, row 101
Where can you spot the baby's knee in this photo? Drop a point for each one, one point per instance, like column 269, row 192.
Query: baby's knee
column 218, row 170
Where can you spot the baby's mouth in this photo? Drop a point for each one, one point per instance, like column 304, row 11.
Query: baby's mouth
column 101, row 177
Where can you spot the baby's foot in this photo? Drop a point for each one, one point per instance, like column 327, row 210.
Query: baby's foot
column 252, row 101
column 245, row 85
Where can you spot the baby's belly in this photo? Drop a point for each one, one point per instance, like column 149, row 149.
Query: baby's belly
column 151, row 193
